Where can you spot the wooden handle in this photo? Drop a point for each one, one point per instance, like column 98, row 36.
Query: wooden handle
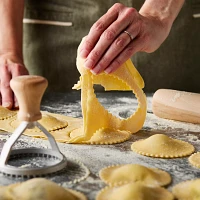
column 177, row 105
column 29, row 91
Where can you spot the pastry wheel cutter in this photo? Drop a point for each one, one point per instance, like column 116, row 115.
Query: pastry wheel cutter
column 29, row 91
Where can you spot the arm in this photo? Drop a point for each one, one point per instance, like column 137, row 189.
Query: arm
column 11, row 58
column 107, row 46
column 164, row 12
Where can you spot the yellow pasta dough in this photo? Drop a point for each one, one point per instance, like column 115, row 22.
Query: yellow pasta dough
column 194, row 159
column 134, row 191
column 39, row 188
column 125, row 78
column 188, row 190
column 63, row 135
column 6, row 113
column 160, row 145
column 65, row 128
column 103, row 136
column 123, row 174
column 3, row 195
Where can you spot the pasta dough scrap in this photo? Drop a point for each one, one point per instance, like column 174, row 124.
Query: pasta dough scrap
column 6, row 113
column 115, row 84
column 125, row 78
column 104, row 136
column 135, row 190
column 162, row 146
column 187, row 190
column 40, row 188
column 194, row 159
column 123, row 174
column 63, row 135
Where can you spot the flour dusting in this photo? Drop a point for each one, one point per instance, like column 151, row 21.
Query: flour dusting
column 176, row 96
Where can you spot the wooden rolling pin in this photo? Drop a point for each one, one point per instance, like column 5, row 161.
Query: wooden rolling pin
column 177, row 105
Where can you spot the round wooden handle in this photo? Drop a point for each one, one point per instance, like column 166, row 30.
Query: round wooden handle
column 29, row 91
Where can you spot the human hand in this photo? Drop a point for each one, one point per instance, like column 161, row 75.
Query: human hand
column 107, row 46
column 10, row 67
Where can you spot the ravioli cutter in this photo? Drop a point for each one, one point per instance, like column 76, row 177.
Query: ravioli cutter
column 29, row 91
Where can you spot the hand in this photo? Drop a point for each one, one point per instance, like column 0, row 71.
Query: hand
column 10, row 67
column 107, row 46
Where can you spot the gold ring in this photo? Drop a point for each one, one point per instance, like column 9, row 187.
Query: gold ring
column 129, row 35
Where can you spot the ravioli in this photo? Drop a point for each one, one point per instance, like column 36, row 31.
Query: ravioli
column 49, row 121
column 162, row 146
column 133, row 191
column 123, row 174
column 40, row 188
column 194, row 159
column 3, row 195
column 187, row 190
column 103, row 136
column 5, row 113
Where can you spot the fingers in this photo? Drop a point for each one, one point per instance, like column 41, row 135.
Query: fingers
column 107, row 39
column 131, row 49
column 17, row 70
column 103, row 33
column 98, row 28
column 6, row 92
column 116, row 48
column 7, row 72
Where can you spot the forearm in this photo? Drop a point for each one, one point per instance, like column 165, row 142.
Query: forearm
column 164, row 10
column 11, row 27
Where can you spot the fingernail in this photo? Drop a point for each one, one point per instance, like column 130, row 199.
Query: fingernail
column 7, row 104
column 96, row 69
column 84, row 53
column 16, row 105
column 94, row 72
column 89, row 64
column 108, row 70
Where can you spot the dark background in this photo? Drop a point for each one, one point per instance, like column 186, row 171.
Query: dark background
column 51, row 50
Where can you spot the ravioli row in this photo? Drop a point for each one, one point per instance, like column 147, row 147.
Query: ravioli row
column 127, row 182
column 133, row 181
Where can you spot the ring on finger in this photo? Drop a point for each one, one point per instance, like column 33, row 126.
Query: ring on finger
column 129, row 34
